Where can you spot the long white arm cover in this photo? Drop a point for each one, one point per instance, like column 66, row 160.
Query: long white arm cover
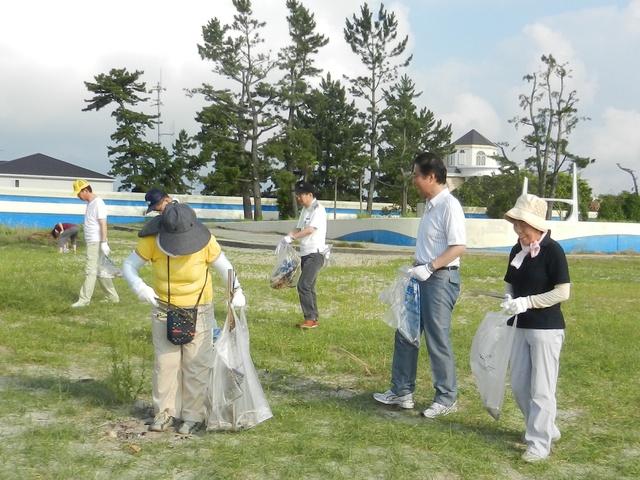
column 222, row 266
column 560, row 293
column 130, row 268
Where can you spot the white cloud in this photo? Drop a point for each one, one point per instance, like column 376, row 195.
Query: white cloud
column 472, row 112
column 546, row 41
column 616, row 141
column 46, row 58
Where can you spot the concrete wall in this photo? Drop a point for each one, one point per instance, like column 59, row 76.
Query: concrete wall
column 41, row 208
column 28, row 183
column 483, row 234
column 37, row 207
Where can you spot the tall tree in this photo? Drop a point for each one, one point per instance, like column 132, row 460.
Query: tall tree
column 296, row 60
column 219, row 146
column 550, row 115
column 235, row 51
column 375, row 42
column 339, row 136
column 405, row 133
column 183, row 170
column 132, row 156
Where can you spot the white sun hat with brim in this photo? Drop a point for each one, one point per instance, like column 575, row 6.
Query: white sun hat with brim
column 531, row 210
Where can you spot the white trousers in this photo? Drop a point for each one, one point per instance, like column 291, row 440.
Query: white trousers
column 534, row 363
column 182, row 373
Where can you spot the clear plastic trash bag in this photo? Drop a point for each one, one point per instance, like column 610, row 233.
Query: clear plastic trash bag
column 328, row 259
column 108, row 269
column 285, row 271
column 236, row 398
column 490, row 352
column 403, row 297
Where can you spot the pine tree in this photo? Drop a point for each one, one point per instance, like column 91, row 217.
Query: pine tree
column 245, row 114
column 375, row 42
column 132, row 157
column 293, row 147
column 551, row 116
column 406, row 132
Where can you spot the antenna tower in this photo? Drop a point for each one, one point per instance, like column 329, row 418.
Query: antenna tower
column 158, row 89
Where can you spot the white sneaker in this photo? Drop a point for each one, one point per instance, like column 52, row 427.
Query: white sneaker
column 390, row 398
column 438, row 410
column 79, row 303
column 531, row 457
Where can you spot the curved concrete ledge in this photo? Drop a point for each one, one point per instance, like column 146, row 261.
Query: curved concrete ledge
column 482, row 234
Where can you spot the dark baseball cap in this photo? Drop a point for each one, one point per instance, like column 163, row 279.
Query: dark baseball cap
column 304, row 187
column 153, row 198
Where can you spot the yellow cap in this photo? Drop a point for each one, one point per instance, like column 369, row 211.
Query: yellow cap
column 79, row 185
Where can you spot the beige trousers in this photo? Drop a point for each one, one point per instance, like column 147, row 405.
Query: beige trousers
column 182, row 373
column 91, row 263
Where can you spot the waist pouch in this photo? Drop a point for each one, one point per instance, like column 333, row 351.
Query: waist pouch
column 181, row 325
column 181, row 322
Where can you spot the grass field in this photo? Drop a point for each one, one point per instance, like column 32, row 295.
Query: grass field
column 75, row 383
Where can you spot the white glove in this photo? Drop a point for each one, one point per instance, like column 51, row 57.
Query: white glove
column 515, row 306
column 146, row 294
column 286, row 240
column 420, row 272
column 104, row 246
column 238, row 300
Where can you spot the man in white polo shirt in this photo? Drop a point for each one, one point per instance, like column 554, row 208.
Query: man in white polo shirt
column 311, row 230
column 440, row 241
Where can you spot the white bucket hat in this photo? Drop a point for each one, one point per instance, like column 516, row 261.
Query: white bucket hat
column 531, row 210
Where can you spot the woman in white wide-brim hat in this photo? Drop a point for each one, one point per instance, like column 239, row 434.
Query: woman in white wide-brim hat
column 537, row 282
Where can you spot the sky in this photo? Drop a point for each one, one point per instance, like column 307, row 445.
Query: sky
column 469, row 60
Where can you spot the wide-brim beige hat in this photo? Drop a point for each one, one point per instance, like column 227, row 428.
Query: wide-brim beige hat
column 531, row 210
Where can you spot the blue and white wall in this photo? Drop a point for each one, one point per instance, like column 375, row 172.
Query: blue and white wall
column 482, row 234
column 40, row 208
column 43, row 208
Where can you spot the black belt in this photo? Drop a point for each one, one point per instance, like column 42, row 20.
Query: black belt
column 447, row 268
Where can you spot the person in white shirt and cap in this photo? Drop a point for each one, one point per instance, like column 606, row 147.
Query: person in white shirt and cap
column 311, row 231
column 95, row 235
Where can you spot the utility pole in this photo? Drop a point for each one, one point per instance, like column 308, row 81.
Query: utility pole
column 158, row 89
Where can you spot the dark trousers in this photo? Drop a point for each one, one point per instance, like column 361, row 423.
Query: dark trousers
column 310, row 265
